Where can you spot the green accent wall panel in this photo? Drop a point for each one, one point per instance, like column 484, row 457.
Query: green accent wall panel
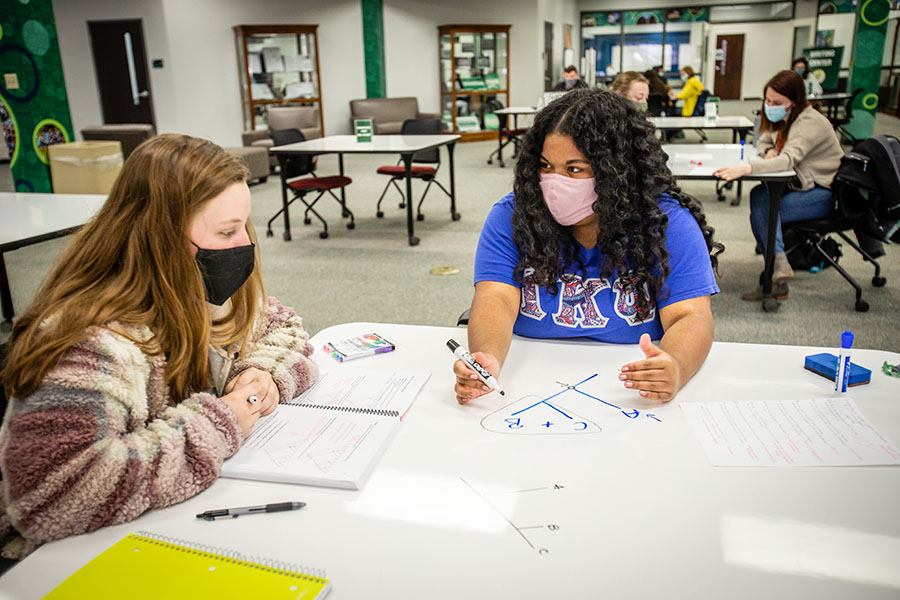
column 34, row 107
column 865, row 74
column 373, row 44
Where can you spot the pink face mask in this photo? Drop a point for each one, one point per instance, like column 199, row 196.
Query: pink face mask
column 569, row 199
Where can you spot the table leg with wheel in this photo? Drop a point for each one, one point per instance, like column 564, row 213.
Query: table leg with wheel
column 453, row 214
column 407, row 169
column 776, row 190
column 282, row 162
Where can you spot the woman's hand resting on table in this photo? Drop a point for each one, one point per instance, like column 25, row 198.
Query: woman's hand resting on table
column 733, row 172
column 657, row 377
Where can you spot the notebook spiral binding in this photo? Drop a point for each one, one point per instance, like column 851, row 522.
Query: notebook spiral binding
column 232, row 556
column 355, row 409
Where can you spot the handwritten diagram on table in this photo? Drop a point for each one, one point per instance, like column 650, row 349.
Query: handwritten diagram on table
column 554, row 414
column 536, row 525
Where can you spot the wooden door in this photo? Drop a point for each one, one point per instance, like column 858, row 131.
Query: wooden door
column 120, row 62
column 548, row 56
column 729, row 66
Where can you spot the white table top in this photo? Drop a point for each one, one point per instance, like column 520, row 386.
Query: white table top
column 380, row 144
column 517, row 110
column 27, row 216
column 699, row 161
column 701, row 123
column 640, row 511
column 830, row 96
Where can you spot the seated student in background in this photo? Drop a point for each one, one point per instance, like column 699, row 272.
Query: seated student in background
column 149, row 353
column 793, row 135
column 571, row 80
column 595, row 241
column 656, row 80
column 801, row 68
column 633, row 86
column 689, row 93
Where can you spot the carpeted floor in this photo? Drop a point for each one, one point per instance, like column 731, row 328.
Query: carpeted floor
column 370, row 273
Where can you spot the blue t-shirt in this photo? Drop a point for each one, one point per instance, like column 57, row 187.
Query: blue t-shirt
column 592, row 306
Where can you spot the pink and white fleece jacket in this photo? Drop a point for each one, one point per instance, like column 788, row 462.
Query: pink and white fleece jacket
column 102, row 440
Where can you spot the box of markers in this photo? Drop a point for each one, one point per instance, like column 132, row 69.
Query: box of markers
column 358, row 346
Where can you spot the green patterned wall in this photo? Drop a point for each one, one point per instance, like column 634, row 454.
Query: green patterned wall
column 34, row 107
column 865, row 74
column 373, row 44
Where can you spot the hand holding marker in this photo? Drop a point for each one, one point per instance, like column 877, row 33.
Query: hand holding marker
column 483, row 374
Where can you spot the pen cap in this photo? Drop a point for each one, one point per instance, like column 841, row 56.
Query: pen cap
column 847, row 339
column 452, row 345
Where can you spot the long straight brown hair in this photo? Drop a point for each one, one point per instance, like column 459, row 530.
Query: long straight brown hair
column 131, row 264
column 788, row 84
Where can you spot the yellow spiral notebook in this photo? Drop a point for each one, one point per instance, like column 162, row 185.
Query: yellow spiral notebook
column 145, row 565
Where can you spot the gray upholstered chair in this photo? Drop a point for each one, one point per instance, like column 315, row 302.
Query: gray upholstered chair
column 387, row 114
column 130, row 135
column 302, row 118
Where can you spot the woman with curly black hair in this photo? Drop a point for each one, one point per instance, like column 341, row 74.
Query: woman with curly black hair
column 595, row 241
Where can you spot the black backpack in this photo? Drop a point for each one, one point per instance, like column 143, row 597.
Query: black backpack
column 867, row 184
column 805, row 257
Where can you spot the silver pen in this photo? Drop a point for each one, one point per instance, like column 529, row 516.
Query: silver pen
column 212, row 515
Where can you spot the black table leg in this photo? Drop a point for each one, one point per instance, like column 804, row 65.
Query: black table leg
column 453, row 214
column 6, row 305
column 776, row 190
column 282, row 162
column 344, row 212
column 407, row 168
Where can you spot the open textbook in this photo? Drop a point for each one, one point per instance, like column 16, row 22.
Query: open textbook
column 333, row 434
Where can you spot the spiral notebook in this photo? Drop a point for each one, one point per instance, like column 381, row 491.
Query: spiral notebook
column 332, row 435
column 146, row 565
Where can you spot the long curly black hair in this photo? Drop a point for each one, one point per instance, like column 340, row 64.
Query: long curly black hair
column 630, row 175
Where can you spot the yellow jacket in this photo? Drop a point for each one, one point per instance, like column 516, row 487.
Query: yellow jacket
column 689, row 93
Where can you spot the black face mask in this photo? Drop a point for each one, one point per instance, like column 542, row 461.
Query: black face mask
column 224, row 271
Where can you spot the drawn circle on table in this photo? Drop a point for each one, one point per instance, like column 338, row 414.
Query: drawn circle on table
column 46, row 133
column 885, row 5
column 10, row 131
column 870, row 101
column 23, row 185
column 9, row 67
column 36, row 38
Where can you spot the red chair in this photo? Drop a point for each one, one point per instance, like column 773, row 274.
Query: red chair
column 425, row 173
column 292, row 170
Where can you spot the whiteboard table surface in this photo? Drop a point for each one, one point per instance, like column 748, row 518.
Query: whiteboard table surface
column 634, row 511
column 701, row 123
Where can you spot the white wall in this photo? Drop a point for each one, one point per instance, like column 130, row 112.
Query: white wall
column 197, row 92
column 411, row 45
column 560, row 12
column 767, row 50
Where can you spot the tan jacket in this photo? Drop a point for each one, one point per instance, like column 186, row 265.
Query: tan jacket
column 812, row 150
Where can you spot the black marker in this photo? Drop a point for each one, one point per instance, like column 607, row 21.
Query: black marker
column 234, row 513
column 483, row 374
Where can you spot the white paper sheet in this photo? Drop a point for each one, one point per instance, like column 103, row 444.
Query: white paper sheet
column 366, row 389
column 261, row 91
column 272, row 59
column 254, row 62
column 790, row 433
column 297, row 62
column 313, row 446
column 299, row 89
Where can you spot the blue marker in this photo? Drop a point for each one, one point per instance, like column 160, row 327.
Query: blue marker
column 742, row 149
column 842, row 372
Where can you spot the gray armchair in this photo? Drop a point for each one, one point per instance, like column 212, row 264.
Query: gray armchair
column 304, row 118
column 387, row 114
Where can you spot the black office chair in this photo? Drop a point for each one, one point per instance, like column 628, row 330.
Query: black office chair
column 432, row 156
column 840, row 121
column 865, row 190
column 293, row 168
column 655, row 105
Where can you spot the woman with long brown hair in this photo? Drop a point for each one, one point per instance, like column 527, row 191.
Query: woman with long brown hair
column 148, row 354
column 793, row 135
